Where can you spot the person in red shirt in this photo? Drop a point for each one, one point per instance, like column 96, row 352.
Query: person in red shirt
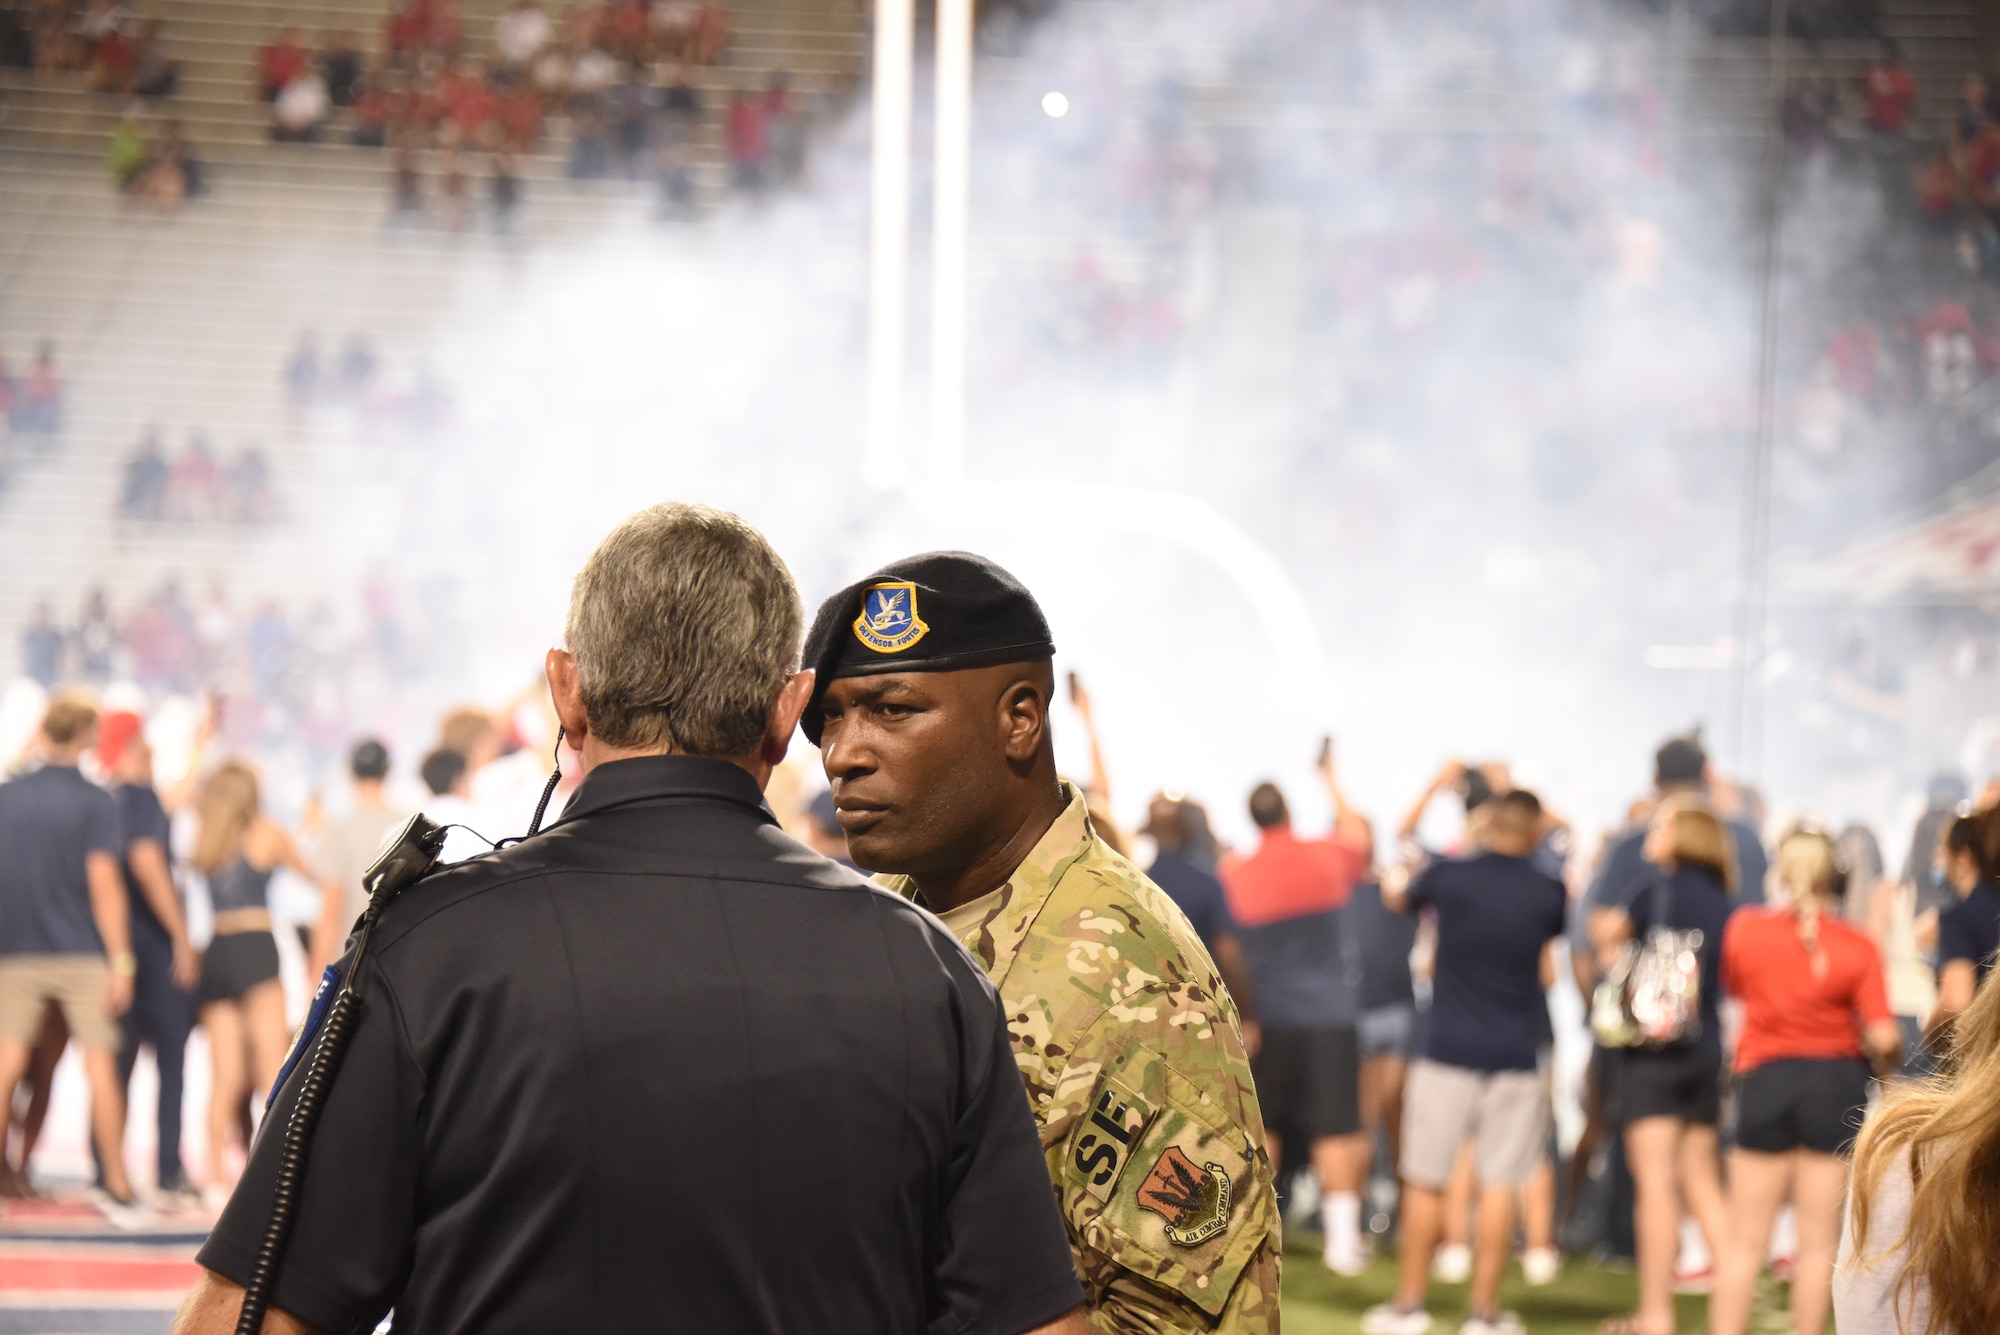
column 1814, row 1006
column 279, row 61
column 1890, row 89
column 1286, row 899
column 746, row 130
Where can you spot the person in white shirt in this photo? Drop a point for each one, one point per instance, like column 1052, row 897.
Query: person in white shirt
column 520, row 34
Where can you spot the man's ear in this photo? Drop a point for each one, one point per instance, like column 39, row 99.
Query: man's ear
column 566, row 693
column 1024, row 719
column 785, row 715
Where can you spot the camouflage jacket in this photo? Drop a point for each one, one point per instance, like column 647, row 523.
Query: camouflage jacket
column 1132, row 1052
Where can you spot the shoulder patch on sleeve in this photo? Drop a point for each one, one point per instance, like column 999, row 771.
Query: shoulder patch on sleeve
column 1184, row 1202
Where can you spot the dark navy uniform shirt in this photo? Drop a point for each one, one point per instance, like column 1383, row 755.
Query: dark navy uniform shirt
column 663, row 1068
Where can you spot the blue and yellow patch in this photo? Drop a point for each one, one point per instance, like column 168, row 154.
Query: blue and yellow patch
column 888, row 623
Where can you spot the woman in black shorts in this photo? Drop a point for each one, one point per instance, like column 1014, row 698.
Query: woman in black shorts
column 1667, row 1099
column 1815, row 1008
column 242, row 1003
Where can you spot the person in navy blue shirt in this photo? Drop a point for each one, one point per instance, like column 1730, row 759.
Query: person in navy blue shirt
column 162, row 1010
column 1968, row 932
column 63, row 930
column 1478, row 1076
column 1669, row 1099
column 1184, row 867
column 1680, row 769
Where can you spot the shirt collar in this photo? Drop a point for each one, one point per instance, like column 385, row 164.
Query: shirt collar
column 1005, row 915
column 617, row 783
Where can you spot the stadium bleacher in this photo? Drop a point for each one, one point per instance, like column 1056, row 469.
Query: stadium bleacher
column 290, row 238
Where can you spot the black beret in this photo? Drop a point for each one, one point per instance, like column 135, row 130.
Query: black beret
column 937, row 612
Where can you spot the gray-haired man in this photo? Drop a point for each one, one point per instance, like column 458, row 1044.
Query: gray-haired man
column 662, row 1067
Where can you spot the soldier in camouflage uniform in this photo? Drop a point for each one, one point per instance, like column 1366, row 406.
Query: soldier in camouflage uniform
column 931, row 703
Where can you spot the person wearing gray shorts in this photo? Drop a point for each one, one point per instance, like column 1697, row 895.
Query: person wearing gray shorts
column 1505, row 1114
column 1479, row 1076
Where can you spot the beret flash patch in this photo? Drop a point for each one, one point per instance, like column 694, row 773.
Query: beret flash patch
column 888, row 623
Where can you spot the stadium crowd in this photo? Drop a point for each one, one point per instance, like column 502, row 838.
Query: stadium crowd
column 1749, row 990
column 195, row 487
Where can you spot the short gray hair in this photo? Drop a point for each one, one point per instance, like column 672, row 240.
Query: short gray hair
column 685, row 624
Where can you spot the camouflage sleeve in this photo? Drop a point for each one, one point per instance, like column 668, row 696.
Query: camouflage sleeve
column 1157, row 1152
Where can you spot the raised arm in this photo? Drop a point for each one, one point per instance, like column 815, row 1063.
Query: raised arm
column 1447, row 777
column 1100, row 777
column 1348, row 823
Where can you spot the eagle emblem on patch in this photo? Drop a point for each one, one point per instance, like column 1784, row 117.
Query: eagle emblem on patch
column 888, row 623
column 1193, row 1200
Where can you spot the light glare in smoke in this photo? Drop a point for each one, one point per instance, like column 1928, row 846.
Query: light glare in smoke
column 1055, row 104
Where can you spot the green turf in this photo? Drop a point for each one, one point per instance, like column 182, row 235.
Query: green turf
column 1318, row 1302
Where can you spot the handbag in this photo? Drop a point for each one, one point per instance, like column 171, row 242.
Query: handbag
column 1651, row 998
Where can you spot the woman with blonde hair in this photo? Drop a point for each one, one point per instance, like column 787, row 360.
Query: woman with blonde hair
column 1814, row 1003
column 242, row 1005
column 1668, row 1099
column 1922, row 1232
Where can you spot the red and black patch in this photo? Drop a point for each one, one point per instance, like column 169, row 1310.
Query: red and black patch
column 1193, row 1199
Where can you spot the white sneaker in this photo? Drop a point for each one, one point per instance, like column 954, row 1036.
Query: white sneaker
column 1507, row 1323
column 1452, row 1264
column 125, row 1216
column 1540, row 1265
column 1389, row 1319
column 1349, row 1261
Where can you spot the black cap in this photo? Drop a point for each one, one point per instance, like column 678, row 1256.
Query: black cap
column 937, row 612
column 369, row 759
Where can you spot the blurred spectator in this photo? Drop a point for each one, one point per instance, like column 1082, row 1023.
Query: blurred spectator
column 358, row 367
column 1973, row 112
column 279, row 62
column 144, row 494
column 341, row 66
column 154, row 72
column 520, row 35
column 302, row 373
column 787, row 142
column 520, row 119
column 42, row 648
column 113, row 58
column 506, row 191
column 125, row 151
column 629, row 109
column 171, row 174
column 1809, row 109
column 38, row 400
column 469, row 102
column 301, row 109
column 194, row 483
column 246, row 488
column 406, row 188
column 1889, row 88
column 747, row 134
column 369, row 124
column 94, row 639
column 349, row 844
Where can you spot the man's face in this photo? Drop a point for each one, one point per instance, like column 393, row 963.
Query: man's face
column 919, row 765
